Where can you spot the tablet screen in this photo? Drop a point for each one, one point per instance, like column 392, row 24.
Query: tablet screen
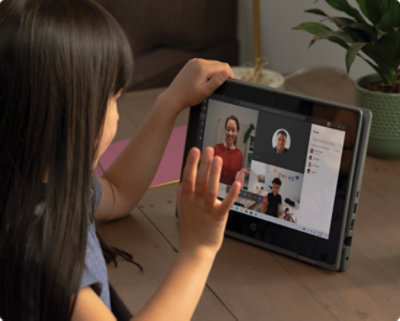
column 290, row 155
column 292, row 164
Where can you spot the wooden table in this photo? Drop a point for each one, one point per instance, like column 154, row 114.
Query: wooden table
column 249, row 283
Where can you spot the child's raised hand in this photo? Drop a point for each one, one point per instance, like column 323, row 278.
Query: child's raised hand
column 240, row 175
column 196, row 81
column 202, row 217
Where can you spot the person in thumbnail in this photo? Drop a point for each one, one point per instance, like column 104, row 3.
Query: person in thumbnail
column 281, row 143
column 232, row 168
column 288, row 216
column 274, row 199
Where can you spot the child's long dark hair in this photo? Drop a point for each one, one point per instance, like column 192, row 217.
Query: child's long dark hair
column 60, row 61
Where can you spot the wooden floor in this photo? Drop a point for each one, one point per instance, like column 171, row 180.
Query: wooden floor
column 248, row 283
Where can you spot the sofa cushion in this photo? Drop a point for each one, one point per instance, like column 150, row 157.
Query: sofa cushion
column 165, row 34
column 181, row 24
column 160, row 66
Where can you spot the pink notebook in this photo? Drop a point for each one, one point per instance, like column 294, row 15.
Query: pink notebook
column 169, row 170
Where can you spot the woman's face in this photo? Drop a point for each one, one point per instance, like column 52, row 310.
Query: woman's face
column 110, row 125
column 281, row 143
column 231, row 132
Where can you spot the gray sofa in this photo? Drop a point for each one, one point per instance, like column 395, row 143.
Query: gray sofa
column 164, row 34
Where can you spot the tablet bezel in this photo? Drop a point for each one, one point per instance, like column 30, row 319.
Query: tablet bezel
column 339, row 242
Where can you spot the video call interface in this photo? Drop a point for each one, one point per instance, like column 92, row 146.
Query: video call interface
column 288, row 164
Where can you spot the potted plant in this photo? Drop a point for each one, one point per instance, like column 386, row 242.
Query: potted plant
column 370, row 31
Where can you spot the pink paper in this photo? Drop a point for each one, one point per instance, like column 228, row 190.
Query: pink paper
column 169, row 169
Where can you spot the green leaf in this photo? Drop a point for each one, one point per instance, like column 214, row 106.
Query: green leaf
column 316, row 11
column 344, row 6
column 247, row 134
column 358, row 34
column 339, row 42
column 391, row 17
column 341, row 22
column 358, row 31
column 397, row 50
column 337, row 37
column 373, row 9
column 368, row 33
column 343, row 36
column 352, row 53
column 390, row 44
column 314, row 28
column 323, row 32
column 387, row 67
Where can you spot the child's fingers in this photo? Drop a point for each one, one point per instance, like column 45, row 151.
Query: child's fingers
column 215, row 81
column 190, row 171
column 230, row 198
column 213, row 182
column 203, row 171
column 218, row 66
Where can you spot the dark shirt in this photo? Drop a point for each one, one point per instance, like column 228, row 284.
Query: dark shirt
column 284, row 150
column 272, row 205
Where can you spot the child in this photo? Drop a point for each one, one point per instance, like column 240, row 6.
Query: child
column 288, row 216
column 63, row 65
column 274, row 199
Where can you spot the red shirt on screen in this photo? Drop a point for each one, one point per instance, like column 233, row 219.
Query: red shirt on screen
column 233, row 162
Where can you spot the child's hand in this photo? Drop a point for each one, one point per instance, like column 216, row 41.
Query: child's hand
column 240, row 175
column 196, row 81
column 202, row 217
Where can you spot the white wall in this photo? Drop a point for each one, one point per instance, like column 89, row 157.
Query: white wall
column 286, row 49
column 289, row 188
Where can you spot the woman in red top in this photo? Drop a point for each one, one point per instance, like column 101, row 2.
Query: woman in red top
column 231, row 155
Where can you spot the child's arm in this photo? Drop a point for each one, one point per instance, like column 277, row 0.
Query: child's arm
column 263, row 208
column 131, row 174
column 202, row 220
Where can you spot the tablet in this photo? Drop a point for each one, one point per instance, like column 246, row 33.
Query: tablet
column 300, row 160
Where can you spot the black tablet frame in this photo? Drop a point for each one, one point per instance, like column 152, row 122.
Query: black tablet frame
column 332, row 253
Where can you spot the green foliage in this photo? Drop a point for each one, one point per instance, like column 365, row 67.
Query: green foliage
column 247, row 134
column 371, row 32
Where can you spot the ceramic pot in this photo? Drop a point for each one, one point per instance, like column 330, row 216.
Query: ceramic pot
column 384, row 138
column 268, row 77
